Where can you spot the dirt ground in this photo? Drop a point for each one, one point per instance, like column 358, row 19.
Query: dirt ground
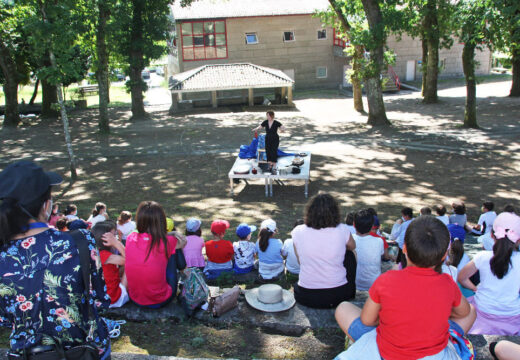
column 182, row 161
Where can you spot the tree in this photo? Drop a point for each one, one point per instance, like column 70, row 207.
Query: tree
column 473, row 17
column 377, row 38
column 432, row 22
column 141, row 30
column 508, row 26
column 13, row 51
column 337, row 18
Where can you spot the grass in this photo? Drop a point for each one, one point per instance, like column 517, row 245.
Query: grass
column 461, row 81
column 118, row 95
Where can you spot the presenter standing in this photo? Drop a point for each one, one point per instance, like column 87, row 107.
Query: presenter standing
column 272, row 140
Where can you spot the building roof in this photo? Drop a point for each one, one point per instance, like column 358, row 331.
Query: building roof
column 228, row 77
column 219, row 9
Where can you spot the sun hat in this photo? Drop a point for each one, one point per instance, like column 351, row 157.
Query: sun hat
column 507, row 225
column 25, row 182
column 169, row 224
column 244, row 229
column 268, row 224
column 270, row 298
column 193, row 224
column 219, row 227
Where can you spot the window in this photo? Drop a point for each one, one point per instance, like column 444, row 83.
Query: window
column 288, row 36
column 251, row 38
column 204, row 40
column 321, row 72
column 322, row 34
column 340, row 42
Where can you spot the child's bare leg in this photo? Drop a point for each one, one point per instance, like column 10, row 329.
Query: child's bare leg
column 506, row 350
column 124, row 281
column 467, row 322
column 345, row 314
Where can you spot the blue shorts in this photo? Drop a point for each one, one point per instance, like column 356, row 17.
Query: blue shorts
column 358, row 329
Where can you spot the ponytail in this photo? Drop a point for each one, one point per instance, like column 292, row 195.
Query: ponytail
column 456, row 252
column 263, row 239
column 13, row 218
column 97, row 209
column 502, row 251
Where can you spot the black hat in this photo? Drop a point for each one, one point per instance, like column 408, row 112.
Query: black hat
column 26, row 182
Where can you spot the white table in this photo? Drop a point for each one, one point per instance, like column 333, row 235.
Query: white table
column 283, row 162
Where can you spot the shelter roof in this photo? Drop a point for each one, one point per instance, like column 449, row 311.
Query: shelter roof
column 228, row 77
column 218, row 9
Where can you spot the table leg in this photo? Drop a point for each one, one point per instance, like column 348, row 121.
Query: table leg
column 266, row 187
column 271, row 186
column 306, row 188
column 231, row 186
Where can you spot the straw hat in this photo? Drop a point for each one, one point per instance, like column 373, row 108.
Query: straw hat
column 270, row 298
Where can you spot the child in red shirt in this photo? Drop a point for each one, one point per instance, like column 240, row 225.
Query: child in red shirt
column 409, row 312
column 112, row 263
column 219, row 251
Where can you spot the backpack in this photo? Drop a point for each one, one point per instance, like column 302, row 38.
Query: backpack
column 194, row 291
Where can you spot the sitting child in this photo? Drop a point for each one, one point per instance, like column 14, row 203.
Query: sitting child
column 55, row 215
column 425, row 211
column 369, row 250
column 106, row 242
column 71, row 212
column 291, row 261
column 409, row 312
column 270, row 260
column 125, row 225
column 441, row 214
column 496, row 299
column 349, row 220
column 61, row 224
column 459, row 216
column 485, row 221
column 244, row 249
column 195, row 244
column 219, row 251
column 99, row 213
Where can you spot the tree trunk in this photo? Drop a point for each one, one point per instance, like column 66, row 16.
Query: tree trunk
column 432, row 43
column 137, row 61
column 515, row 86
column 102, row 72
column 356, row 79
column 49, row 97
column 468, row 64
column 424, row 66
column 8, row 67
column 376, row 106
column 356, row 61
column 35, row 92
column 63, row 110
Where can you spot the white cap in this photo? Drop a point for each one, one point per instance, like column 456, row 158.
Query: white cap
column 268, row 224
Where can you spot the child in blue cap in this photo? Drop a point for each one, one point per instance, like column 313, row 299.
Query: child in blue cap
column 245, row 250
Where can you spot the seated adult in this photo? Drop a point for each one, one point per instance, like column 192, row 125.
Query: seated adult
column 496, row 299
column 323, row 247
column 40, row 273
column 152, row 258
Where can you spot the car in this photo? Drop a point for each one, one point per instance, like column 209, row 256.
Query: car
column 145, row 74
column 159, row 71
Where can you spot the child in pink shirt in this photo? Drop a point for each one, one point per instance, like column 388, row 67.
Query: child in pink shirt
column 194, row 245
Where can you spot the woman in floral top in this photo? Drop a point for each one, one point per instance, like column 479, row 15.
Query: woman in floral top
column 41, row 286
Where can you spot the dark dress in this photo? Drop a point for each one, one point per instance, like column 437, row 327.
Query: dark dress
column 271, row 140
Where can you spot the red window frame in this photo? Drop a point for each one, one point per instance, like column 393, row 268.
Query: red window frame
column 338, row 41
column 207, row 48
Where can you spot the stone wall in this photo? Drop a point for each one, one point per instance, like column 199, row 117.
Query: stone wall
column 409, row 49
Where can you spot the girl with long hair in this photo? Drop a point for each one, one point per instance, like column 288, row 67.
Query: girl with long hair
column 496, row 300
column 99, row 213
column 269, row 249
column 151, row 263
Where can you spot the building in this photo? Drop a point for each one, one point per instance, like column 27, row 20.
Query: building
column 284, row 35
